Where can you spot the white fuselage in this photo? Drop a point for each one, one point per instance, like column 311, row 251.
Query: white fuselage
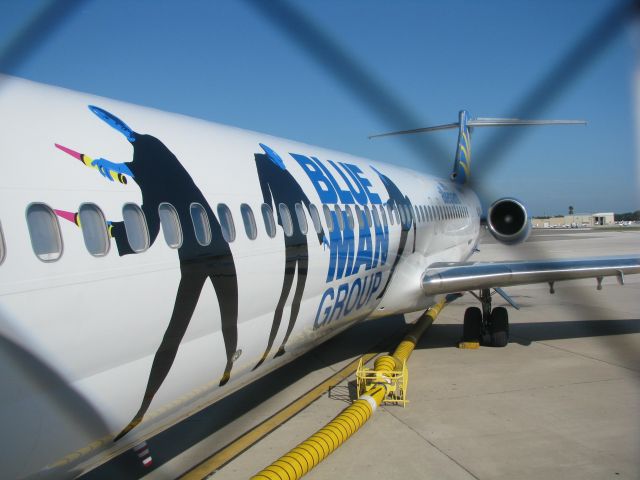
column 79, row 334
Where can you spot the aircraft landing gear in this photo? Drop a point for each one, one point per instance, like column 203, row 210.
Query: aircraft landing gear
column 487, row 326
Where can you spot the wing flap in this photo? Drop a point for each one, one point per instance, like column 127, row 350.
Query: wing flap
column 451, row 277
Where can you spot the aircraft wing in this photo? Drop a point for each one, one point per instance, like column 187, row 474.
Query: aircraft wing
column 459, row 277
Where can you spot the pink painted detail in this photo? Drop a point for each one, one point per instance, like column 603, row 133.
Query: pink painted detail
column 71, row 216
column 73, row 153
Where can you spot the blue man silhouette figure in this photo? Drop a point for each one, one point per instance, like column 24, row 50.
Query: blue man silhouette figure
column 163, row 179
column 279, row 187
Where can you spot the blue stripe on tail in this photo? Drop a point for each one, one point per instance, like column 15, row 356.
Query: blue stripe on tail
column 462, row 164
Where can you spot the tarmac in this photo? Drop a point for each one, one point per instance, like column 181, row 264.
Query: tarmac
column 560, row 401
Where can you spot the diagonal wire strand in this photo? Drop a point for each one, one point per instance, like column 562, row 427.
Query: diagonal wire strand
column 355, row 78
column 33, row 34
column 358, row 80
column 567, row 70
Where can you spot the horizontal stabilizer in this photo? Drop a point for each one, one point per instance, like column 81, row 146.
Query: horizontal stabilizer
column 483, row 122
column 465, row 125
column 516, row 122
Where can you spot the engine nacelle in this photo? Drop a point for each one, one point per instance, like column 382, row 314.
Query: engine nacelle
column 508, row 221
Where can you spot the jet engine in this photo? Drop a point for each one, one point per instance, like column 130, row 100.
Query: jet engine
column 508, row 221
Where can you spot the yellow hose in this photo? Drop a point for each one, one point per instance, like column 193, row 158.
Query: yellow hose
column 318, row 446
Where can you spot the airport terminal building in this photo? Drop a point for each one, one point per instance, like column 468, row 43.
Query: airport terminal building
column 576, row 220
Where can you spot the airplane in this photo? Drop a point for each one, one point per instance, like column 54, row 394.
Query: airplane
column 152, row 264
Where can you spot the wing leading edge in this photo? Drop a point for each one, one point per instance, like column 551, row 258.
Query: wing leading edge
column 458, row 277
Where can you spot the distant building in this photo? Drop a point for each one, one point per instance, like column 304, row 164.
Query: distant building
column 576, row 220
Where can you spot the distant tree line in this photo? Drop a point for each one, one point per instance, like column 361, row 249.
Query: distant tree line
column 627, row 217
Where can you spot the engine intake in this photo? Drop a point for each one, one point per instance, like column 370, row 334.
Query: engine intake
column 508, row 221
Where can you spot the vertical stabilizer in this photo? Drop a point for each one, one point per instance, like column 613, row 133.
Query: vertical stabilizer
column 462, row 162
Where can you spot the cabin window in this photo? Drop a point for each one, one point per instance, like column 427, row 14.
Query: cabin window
column 170, row 225
column 327, row 217
column 226, row 223
column 383, row 214
column 94, row 229
column 315, row 218
column 136, row 226
column 249, row 221
column 367, row 214
column 340, row 217
column 44, row 231
column 403, row 215
column 302, row 218
column 424, row 213
column 269, row 222
column 417, row 213
column 376, row 218
column 390, row 210
column 349, row 213
column 360, row 216
column 201, row 225
column 285, row 218
column 2, row 247
column 396, row 212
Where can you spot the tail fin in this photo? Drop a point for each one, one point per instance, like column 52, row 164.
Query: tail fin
column 465, row 125
column 462, row 162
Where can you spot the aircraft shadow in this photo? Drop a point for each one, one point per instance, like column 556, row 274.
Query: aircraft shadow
column 166, row 445
column 356, row 340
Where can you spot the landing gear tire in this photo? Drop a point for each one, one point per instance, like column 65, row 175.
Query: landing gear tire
column 499, row 327
column 472, row 329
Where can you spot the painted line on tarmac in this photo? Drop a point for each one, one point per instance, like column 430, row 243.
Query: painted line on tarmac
column 248, row 439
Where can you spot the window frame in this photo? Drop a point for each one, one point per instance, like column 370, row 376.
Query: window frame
column 143, row 224
column 383, row 215
column 269, row 221
column 328, row 218
column 206, row 224
column 350, row 217
column 104, row 229
column 315, row 218
column 176, row 220
column 3, row 246
column 301, row 217
column 390, row 209
column 340, row 217
column 286, row 218
column 360, row 217
column 227, row 224
column 43, row 257
column 249, row 221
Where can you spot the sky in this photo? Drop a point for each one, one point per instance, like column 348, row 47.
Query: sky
column 331, row 73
